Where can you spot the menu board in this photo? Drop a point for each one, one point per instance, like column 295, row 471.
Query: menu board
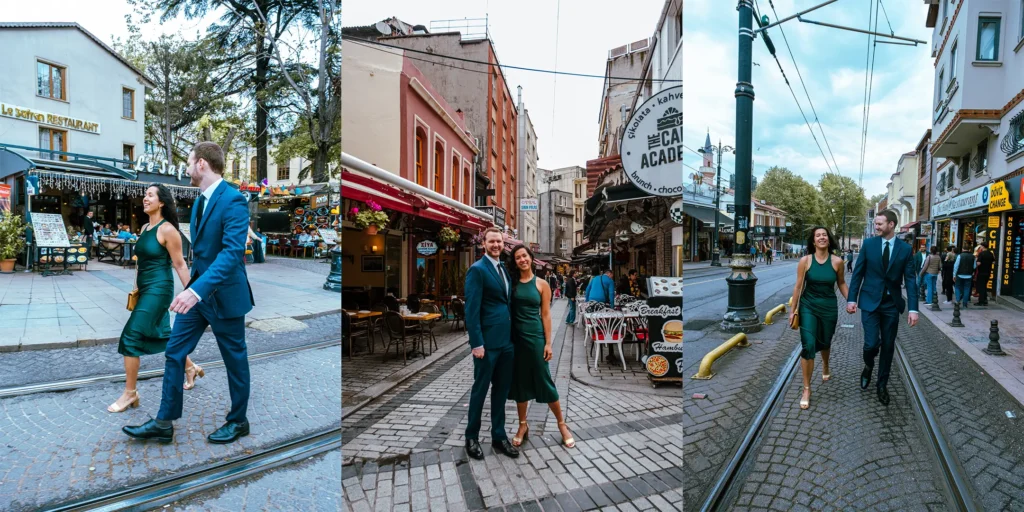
column 329, row 236
column 664, row 314
column 187, row 231
column 49, row 231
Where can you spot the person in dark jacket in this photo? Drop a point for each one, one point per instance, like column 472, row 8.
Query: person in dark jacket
column 88, row 231
column 985, row 262
column 570, row 293
column 947, row 275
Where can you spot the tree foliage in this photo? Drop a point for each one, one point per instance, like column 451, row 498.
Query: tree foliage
column 841, row 198
column 794, row 195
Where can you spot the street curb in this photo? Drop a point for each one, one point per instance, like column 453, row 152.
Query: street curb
column 396, row 379
column 94, row 342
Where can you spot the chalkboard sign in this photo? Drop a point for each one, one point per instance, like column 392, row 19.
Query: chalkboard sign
column 664, row 313
column 49, row 230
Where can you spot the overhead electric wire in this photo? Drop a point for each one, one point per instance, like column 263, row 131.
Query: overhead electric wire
column 869, row 81
column 804, row 85
column 521, row 68
column 891, row 31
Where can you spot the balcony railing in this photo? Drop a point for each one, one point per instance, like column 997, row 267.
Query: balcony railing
column 977, row 165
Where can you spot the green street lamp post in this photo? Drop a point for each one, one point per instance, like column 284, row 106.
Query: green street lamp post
column 715, row 256
column 333, row 282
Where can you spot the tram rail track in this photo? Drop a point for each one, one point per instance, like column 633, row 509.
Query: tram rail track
column 70, row 384
column 155, row 494
column 954, row 478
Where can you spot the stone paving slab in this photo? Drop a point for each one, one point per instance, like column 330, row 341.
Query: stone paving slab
column 611, row 376
column 88, row 307
column 312, row 485
column 848, row 451
column 62, row 446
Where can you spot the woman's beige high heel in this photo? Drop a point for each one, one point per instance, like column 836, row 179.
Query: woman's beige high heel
column 197, row 372
column 517, row 442
column 133, row 404
column 804, row 404
column 568, row 442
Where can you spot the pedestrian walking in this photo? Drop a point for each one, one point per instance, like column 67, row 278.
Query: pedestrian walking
column 817, row 275
column 849, row 260
column 218, row 295
column 89, row 232
column 963, row 276
column 531, row 320
column 571, row 291
column 877, row 292
column 489, row 324
column 929, row 274
column 947, row 274
column 159, row 258
column 985, row 262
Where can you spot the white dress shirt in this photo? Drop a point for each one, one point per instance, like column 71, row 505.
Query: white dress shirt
column 497, row 268
column 208, row 193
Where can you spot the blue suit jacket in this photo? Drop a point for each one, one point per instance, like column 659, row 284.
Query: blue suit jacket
column 868, row 281
column 488, row 307
column 218, row 249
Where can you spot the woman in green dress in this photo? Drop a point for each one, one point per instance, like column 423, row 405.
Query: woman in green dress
column 159, row 257
column 531, row 335
column 817, row 275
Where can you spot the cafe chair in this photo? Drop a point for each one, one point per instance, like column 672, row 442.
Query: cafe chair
column 392, row 303
column 398, row 332
column 607, row 329
column 459, row 315
column 351, row 330
column 427, row 327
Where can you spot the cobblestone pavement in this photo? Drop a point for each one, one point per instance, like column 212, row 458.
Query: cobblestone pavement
column 713, row 426
column 848, row 451
column 971, row 408
column 61, row 446
column 310, row 485
column 89, row 307
column 39, row 366
column 405, row 450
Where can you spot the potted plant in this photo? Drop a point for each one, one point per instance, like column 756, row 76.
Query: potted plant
column 448, row 236
column 370, row 219
column 11, row 242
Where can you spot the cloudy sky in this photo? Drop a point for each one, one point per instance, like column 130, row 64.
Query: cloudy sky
column 832, row 63
column 564, row 110
column 104, row 18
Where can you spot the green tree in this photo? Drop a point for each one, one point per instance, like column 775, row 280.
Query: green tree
column 842, row 199
column 794, row 195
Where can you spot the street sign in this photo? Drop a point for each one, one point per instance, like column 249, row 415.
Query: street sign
column 426, row 248
column 5, row 198
column 730, row 208
column 528, row 205
column 32, row 185
column 652, row 144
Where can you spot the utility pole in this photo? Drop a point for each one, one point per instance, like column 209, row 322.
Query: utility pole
column 715, row 256
column 742, row 313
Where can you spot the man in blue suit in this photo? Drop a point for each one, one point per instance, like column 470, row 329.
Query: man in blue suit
column 489, row 322
column 883, row 263
column 218, row 296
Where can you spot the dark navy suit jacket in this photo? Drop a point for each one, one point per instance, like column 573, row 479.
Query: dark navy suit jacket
column 218, row 249
column 869, row 281
column 488, row 306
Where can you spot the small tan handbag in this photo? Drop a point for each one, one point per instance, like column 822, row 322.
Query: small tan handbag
column 133, row 296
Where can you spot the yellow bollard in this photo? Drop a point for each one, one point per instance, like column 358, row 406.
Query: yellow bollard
column 704, row 373
column 769, row 318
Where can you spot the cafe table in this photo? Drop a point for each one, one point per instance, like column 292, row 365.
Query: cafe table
column 368, row 317
column 420, row 319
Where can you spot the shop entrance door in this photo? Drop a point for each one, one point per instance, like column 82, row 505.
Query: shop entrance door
column 436, row 275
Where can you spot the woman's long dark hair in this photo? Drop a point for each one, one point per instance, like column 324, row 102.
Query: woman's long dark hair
column 169, row 211
column 833, row 246
column 512, row 258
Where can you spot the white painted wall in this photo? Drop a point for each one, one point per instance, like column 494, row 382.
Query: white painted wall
column 94, row 80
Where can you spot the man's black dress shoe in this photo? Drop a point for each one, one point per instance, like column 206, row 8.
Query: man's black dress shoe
column 865, row 378
column 473, row 449
column 150, row 430
column 504, row 446
column 883, row 396
column 229, row 433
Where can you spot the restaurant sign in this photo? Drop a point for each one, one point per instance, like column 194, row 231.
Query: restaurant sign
column 652, row 145
column 27, row 114
column 976, row 198
column 156, row 164
column 426, row 248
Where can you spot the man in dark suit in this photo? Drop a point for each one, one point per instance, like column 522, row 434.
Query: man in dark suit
column 89, row 232
column 883, row 263
column 489, row 323
column 218, row 296
column 985, row 262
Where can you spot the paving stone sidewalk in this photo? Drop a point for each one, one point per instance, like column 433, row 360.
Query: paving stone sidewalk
column 88, row 307
column 405, row 450
column 611, row 375
column 57, row 447
column 848, row 451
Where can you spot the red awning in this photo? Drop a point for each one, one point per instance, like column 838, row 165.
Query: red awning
column 359, row 187
column 910, row 225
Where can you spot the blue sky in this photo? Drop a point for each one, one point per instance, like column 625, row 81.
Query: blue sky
column 832, row 63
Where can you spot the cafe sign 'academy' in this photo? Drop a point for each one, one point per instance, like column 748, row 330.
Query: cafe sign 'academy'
column 652, row 145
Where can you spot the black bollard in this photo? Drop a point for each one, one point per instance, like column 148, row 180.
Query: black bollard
column 935, row 304
column 956, row 316
column 993, row 341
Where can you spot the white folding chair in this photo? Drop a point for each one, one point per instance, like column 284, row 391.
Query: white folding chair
column 607, row 328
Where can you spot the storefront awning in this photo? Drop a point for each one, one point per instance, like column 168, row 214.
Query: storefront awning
column 359, row 187
column 706, row 215
column 910, row 225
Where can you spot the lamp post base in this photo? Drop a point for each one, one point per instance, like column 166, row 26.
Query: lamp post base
column 716, row 260
column 333, row 282
column 742, row 314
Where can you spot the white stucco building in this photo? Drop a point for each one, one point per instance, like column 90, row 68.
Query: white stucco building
column 529, row 224
column 901, row 192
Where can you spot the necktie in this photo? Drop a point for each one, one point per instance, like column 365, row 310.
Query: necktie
column 502, row 273
column 885, row 258
column 202, row 205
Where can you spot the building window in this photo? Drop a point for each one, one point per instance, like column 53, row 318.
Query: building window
column 940, row 92
column 51, row 81
column 565, row 244
column 455, row 178
column 127, row 103
column 235, row 165
column 421, row 157
column 283, row 171
column 1021, row 36
column 466, row 185
column 252, row 167
column 55, row 140
column 949, row 179
column 128, row 154
column 439, row 168
column 980, row 162
column 952, row 63
column 988, row 39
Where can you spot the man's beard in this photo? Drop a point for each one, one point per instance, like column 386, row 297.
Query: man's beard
column 194, row 180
